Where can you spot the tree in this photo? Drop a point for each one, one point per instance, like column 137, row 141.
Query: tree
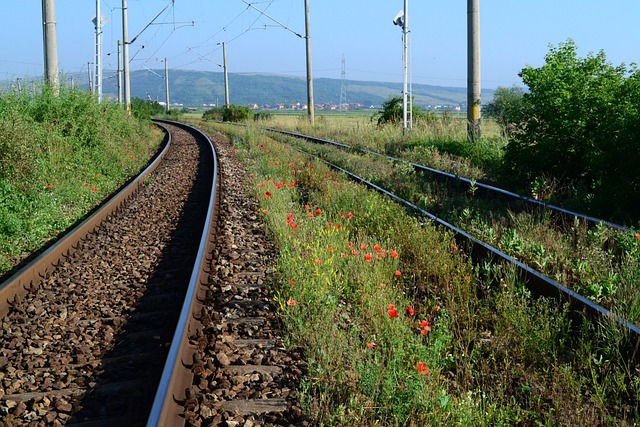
column 506, row 108
column 581, row 127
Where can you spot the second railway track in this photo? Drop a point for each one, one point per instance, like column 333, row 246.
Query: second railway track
column 87, row 344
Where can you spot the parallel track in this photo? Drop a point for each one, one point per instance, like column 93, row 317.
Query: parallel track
column 538, row 283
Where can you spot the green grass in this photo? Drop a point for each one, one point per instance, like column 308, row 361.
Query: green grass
column 494, row 355
column 59, row 157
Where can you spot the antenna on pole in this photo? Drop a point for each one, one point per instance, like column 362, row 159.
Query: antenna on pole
column 343, row 86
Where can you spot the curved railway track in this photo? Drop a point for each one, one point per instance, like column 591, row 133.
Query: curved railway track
column 537, row 283
column 95, row 332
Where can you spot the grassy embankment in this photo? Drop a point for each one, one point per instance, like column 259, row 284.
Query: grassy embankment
column 423, row 338
column 59, row 157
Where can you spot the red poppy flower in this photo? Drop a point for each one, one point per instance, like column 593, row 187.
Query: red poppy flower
column 398, row 273
column 349, row 215
column 307, row 207
column 371, row 344
column 422, row 368
column 291, row 302
column 291, row 281
column 394, row 254
column 368, row 257
column 318, row 212
column 410, row 311
column 392, row 312
column 637, row 236
column 341, row 214
column 363, row 247
column 354, row 252
column 267, row 194
column 351, row 244
column 376, row 248
column 310, row 215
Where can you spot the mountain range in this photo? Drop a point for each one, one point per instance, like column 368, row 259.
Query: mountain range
column 198, row 88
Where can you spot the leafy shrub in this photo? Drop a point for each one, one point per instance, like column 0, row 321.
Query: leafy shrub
column 506, row 108
column 581, row 126
column 229, row 113
column 391, row 112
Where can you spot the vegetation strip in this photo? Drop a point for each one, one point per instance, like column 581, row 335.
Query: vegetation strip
column 424, row 338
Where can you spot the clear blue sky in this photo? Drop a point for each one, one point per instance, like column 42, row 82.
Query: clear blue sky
column 514, row 33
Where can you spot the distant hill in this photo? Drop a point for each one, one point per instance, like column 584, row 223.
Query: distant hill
column 196, row 88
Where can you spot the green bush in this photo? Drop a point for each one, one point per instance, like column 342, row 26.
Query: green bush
column 581, row 126
column 229, row 113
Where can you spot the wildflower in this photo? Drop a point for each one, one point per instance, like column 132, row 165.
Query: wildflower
column 49, row 186
column 338, row 227
column 363, row 247
column 410, row 311
column 376, row 248
column 307, row 207
column 291, row 302
column 264, row 211
column 637, row 236
column 398, row 273
column 94, row 189
column 371, row 344
column 437, row 308
column 294, row 225
column 318, row 212
column 454, row 246
column 251, row 175
column 354, row 252
column 85, row 184
column 318, row 261
column 392, row 312
column 328, row 175
column 331, row 249
column 422, row 368
column 341, row 214
column 368, row 257
column 349, row 215
column 310, row 215
column 267, row 194
column 394, row 254
column 351, row 244
column 382, row 285
column 291, row 281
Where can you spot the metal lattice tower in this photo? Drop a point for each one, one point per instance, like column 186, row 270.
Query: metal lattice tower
column 343, row 85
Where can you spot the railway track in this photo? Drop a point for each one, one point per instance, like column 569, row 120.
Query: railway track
column 480, row 251
column 154, row 311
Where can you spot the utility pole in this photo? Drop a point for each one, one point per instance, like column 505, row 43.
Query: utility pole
column 50, row 41
column 125, row 56
column 119, row 72
column 405, row 60
column 343, row 85
column 226, row 74
column 473, row 70
column 309, row 68
column 166, row 82
column 98, row 75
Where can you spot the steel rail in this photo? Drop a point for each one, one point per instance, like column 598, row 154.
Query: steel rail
column 21, row 282
column 485, row 187
column 537, row 283
column 177, row 376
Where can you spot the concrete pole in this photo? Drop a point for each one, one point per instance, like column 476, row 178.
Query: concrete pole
column 405, row 60
column 119, row 72
column 226, row 74
column 50, row 41
column 125, row 56
column 473, row 70
column 309, row 68
column 89, row 78
column 166, row 82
